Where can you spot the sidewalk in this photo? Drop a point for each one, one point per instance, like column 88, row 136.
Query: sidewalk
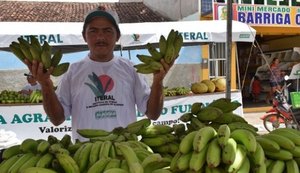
column 253, row 118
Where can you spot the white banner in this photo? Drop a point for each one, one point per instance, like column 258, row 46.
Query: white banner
column 132, row 34
column 31, row 121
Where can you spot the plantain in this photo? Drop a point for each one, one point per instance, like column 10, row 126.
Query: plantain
column 16, row 50
column 60, row 69
column 156, row 55
column 46, row 55
column 56, row 58
column 162, row 45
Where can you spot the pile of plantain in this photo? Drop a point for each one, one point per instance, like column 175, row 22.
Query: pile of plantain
column 169, row 49
column 33, row 50
column 208, row 139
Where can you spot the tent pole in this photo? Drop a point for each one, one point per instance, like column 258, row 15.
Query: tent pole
column 228, row 46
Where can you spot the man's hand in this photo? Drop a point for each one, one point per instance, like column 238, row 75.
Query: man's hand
column 38, row 72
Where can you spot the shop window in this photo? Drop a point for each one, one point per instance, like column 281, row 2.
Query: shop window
column 217, row 60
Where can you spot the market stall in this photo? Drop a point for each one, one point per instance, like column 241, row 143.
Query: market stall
column 31, row 121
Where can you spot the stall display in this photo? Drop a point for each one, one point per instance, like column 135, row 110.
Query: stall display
column 199, row 143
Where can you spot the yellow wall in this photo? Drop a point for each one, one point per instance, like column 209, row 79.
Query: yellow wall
column 204, row 74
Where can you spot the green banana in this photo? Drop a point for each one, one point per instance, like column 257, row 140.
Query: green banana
column 99, row 166
column 83, row 159
column 258, row 157
column 25, row 46
column 292, row 166
column 277, row 166
column 8, row 163
column 156, row 55
column 56, row 58
column 183, row 162
column 68, row 163
column 241, row 125
column 154, row 130
column 11, row 151
column 268, row 144
column 209, row 113
column 171, row 37
column 282, row 154
column 246, row 138
column 66, row 141
column 245, row 167
column 144, row 68
column 229, row 151
column 196, row 107
column 16, row 166
column 124, row 165
column 178, row 44
column 156, row 66
column 154, row 157
column 115, row 170
column 170, row 53
column 94, row 154
column 142, row 153
column 46, row 55
column 35, row 42
column 38, row 170
column 241, row 154
column 16, row 50
column 186, row 117
column 145, row 58
column 131, row 158
column 296, row 151
column 213, row 154
column 162, row 45
column 60, row 69
column 29, row 145
column 30, row 162
column 223, row 134
column 43, row 147
column 198, row 159
column 35, row 51
column 164, row 162
column 162, row 171
column 113, row 163
column 112, row 152
column 173, row 164
column 282, row 141
column 45, row 160
column 155, row 141
column 202, row 137
column 196, row 123
column 289, row 133
column 105, row 149
column 90, row 133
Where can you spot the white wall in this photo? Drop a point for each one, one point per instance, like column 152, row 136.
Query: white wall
column 173, row 9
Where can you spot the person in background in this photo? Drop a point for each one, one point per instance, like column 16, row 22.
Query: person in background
column 101, row 91
column 32, row 85
column 276, row 79
column 256, row 88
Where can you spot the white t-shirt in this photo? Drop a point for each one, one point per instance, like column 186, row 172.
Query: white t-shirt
column 102, row 95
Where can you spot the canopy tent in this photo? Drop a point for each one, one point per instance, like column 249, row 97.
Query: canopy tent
column 68, row 35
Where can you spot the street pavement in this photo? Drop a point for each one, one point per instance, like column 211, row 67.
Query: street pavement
column 253, row 118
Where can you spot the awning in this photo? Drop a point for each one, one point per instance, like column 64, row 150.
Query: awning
column 133, row 34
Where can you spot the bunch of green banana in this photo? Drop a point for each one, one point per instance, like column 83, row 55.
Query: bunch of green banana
column 36, row 96
column 220, row 150
column 282, row 148
column 176, row 91
column 33, row 50
column 169, row 49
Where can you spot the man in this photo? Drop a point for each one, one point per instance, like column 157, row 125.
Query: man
column 32, row 85
column 101, row 91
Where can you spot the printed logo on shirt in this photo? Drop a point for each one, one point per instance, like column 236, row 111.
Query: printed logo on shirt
column 100, row 85
column 105, row 114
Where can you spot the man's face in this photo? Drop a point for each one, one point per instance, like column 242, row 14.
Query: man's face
column 101, row 37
